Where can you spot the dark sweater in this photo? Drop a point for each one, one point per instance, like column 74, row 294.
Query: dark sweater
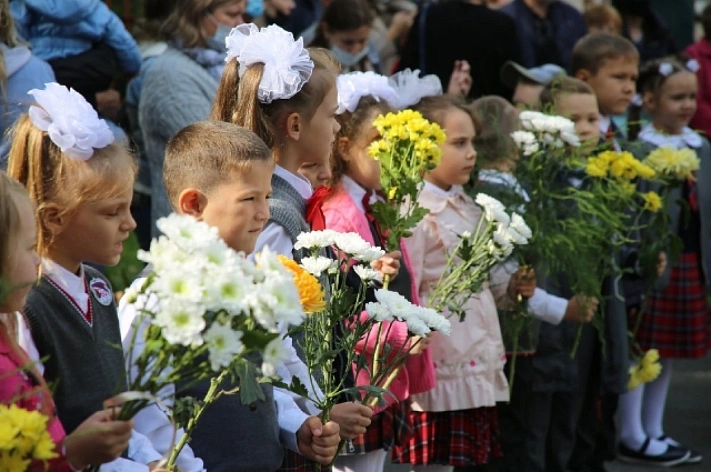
column 457, row 30
column 84, row 364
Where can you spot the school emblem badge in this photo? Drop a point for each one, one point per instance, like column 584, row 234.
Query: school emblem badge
column 101, row 291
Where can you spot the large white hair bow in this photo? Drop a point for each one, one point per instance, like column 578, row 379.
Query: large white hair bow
column 356, row 85
column 411, row 88
column 71, row 123
column 287, row 65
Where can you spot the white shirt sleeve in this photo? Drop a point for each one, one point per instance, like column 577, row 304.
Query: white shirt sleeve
column 276, row 237
column 546, row 307
column 152, row 422
column 290, row 418
column 295, row 367
column 141, row 450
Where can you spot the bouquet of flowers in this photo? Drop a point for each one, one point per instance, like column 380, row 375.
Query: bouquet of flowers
column 409, row 147
column 202, row 309
column 646, row 369
column 24, row 438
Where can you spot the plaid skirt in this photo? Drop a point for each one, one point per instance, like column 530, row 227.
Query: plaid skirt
column 677, row 321
column 295, row 462
column 389, row 428
column 458, row 438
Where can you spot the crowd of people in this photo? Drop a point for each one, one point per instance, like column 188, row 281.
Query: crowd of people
column 255, row 117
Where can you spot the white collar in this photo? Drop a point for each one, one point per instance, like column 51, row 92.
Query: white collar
column 605, row 123
column 72, row 284
column 441, row 192
column 687, row 138
column 504, row 178
column 297, row 181
column 355, row 191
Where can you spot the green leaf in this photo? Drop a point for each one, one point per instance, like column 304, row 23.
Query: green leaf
column 250, row 391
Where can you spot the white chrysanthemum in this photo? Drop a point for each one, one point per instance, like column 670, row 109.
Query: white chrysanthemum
column 315, row 239
column 186, row 231
column 223, row 344
column 378, row 312
column 268, row 262
column 494, row 210
column 276, row 300
column 352, row 244
column 466, row 235
column 181, row 323
column 515, row 237
column 370, row 254
column 434, row 320
column 274, row 354
column 228, row 290
column 164, row 255
column 367, row 274
column 519, row 224
column 317, row 265
column 182, row 286
column 417, row 326
column 398, row 306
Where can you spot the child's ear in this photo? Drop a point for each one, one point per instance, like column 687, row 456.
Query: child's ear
column 648, row 100
column 193, row 202
column 343, row 146
column 55, row 220
column 294, row 125
column 583, row 74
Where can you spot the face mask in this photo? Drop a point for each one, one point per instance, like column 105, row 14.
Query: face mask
column 217, row 42
column 255, row 8
column 346, row 58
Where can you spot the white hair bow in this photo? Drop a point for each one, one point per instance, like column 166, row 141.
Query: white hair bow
column 70, row 121
column 287, row 65
column 666, row 69
column 411, row 88
column 356, row 85
column 693, row 65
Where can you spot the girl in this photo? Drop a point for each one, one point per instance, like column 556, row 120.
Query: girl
column 21, row 383
column 345, row 29
column 676, row 318
column 81, row 184
column 296, row 118
column 455, row 423
column 345, row 206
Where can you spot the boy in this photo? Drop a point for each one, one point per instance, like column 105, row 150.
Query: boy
column 528, row 83
column 220, row 173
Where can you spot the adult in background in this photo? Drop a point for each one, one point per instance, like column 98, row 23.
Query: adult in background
column 642, row 25
column 444, row 33
column 701, row 51
column 547, row 30
column 179, row 87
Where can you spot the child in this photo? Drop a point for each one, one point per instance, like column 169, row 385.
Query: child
column 81, row 183
column 82, row 41
column 528, row 83
column 603, row 18
column 220, row 173
column 346, row 208
column 21, row 383
column 297, row 121
column 675, row 318
column 455, row 424
column 496, row 159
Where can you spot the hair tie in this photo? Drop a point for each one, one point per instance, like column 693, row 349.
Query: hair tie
column 70, row 121
column 637, row 100
column 287, row 65
column 356, row 85
column 411, row 88
column 666, row 69
column 693, row 65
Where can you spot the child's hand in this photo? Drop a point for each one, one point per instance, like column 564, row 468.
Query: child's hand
column 99, row 439
column 661, row 263
column 318, row 442
column 461, row 80
column 389, row 264
column 581, row 309
column 272, row 8
column 522, row 283
column 352, row 418
column 418, row 345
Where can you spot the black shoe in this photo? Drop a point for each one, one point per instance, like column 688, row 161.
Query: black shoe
column 671, row 457
column 694, row 456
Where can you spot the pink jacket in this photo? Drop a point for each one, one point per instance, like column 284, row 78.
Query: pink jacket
column 341, row 214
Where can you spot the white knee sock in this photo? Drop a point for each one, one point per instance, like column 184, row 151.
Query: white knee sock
column 432, row 468
column 373, row 461
column 655, row 398
column 632, row 433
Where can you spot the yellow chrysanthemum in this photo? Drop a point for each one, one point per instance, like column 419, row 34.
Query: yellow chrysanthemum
column 650, row 357
column 310, row 290
column 676, row 163
column 647, row 370
column 628, row 188
column 652, row 201
column 634, row 380
column 23, row 437
column 13, row 462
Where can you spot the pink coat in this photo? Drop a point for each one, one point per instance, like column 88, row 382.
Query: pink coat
column 341, row 214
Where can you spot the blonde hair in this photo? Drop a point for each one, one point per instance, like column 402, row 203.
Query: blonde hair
column 11, row 191
column 600, row 16
column 183, row 23
column 8, row 36
column 51, row 177
column 208, row 153
column 236, row 100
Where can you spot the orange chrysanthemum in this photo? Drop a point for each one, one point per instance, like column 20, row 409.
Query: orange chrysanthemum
column 310, row 290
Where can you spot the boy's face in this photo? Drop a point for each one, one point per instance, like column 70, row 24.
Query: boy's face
column 581, row 109
column 526, row 95
column 614, row 83
column 239, row 207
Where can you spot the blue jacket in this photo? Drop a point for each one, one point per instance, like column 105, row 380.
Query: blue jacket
column 25, row 72
column 62, row 28
column 568, row 27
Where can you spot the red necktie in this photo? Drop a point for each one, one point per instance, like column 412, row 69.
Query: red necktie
column 371, row 218
column 610, row 135
column 314, row 208
column 693, row 195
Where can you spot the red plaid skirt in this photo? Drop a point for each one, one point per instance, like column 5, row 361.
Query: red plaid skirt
column 389, row 428
column 294, row 462
column 677, row 321
column 458, row 438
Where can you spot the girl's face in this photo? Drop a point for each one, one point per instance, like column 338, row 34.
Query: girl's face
column 316, row 173
column 94, row 232
column 316, row 139
column 581, row 109
column 458, row 154
column 351, row 41
column 24, row 261
column 229, row 14
column 361, row 167
column 673, row 106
